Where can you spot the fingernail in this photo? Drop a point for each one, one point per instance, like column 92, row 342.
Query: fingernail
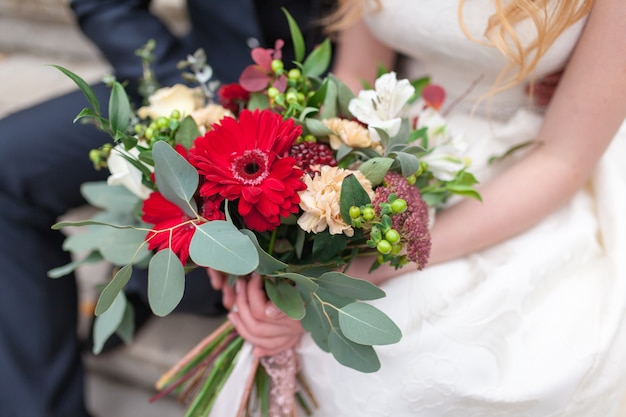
column 272, row 311
column 233, row 319
column 237, row 286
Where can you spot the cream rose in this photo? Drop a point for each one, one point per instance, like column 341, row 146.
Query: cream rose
column 177, row 97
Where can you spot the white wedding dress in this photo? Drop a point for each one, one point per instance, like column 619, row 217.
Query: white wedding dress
column 533, row 327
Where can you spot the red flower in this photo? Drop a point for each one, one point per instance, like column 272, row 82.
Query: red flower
column 233, row 97
column 163, row 215
column 246, row 160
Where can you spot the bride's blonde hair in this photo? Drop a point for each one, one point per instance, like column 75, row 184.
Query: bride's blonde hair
column 549, row 17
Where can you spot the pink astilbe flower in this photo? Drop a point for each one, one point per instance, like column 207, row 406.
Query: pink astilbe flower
column 412, row 224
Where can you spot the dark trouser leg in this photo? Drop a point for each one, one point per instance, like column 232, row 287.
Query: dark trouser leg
column 43, row 161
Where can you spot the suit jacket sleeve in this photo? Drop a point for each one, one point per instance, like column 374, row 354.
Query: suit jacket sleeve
column 120, row 27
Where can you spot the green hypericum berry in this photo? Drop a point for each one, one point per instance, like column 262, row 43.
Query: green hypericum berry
column 278, row 66
column 383, row 247
column 396, row 249
column 355, row 212
column 369, row 213
column 398, row 205
column 411, row 179
column 272, row 92
column 291, row 97
column 162, row 122
column 139, row 128
column 294, row 74
column 392, row 236
column 149, row 133
column 175, row 114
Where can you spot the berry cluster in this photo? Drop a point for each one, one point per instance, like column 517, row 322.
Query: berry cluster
column 309, row 153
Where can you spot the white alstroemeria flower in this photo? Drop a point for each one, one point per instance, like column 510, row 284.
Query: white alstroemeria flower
column 382, row 108
column 436, row 126
column 167, row 99
column 124, row 173
column 445, row 162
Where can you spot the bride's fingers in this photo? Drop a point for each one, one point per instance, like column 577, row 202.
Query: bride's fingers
column 264, row 344
column 219, row 281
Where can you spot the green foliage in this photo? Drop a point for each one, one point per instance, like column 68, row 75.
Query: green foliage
column 176, row 179
column 166, row 282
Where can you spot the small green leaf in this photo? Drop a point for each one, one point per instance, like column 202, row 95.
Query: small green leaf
column 219, row 245
column 166, row 282
column 409, row 163
column 83, row 86
column 318, row 60
column 119, row 109
column 113, row 289
column 367, row 325
column 317, row 127
column 107, row 323
column 286, row 297
column 329, row 108
column 344, row 95
column 296, row 37
column 187, row 132
column 176, row 179
column 345, row 286
column 352, row 194
column 359, row 357
column 375, row 169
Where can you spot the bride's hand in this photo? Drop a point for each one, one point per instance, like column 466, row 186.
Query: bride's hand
column 260, row 322
column 219, row 281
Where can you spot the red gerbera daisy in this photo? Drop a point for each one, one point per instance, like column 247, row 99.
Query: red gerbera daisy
column 233, row 97
column 164, row 215
column 245, row 160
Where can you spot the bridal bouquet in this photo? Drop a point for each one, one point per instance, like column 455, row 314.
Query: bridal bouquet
column 286, row 173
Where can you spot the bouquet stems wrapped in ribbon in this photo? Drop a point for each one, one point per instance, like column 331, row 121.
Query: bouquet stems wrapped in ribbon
column 286, row 173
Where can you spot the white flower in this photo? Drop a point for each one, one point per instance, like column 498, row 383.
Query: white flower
column 165, row 100
column 124, row 173
column 382, row 108
column 447, row 155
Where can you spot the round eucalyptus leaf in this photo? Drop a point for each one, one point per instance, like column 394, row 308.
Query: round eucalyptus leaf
column 166, row 282
column 365, row 324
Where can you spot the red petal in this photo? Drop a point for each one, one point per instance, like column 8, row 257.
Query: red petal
column 434, row 96
column 254, row 78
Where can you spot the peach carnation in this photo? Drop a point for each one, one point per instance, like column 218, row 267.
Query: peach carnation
column 320, row 200
column 348, row 132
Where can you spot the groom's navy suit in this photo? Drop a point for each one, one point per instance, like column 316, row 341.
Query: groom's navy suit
column 43, row 161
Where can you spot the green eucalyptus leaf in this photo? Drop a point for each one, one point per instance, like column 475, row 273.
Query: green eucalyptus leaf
column 315, row 321
column 113, row 289
column 107, row 323
column 176, row 178
column 187, row 132
column 258, row 101
column 61, row 271
column 86, row 240
column 126, row 329
column 318, row 60
column 359, row 357
column 365, row 324
column 166, row 282
column 343, row 285
column 267, row 263
column 124, row 246
column 301, row 281
column 375, row 169
column 286, row 297
column 114, row 198
column 61, row 225
column 83, row 86
column 219, row 245
column 352, row 194
column 296, row 36
column 119, row 109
